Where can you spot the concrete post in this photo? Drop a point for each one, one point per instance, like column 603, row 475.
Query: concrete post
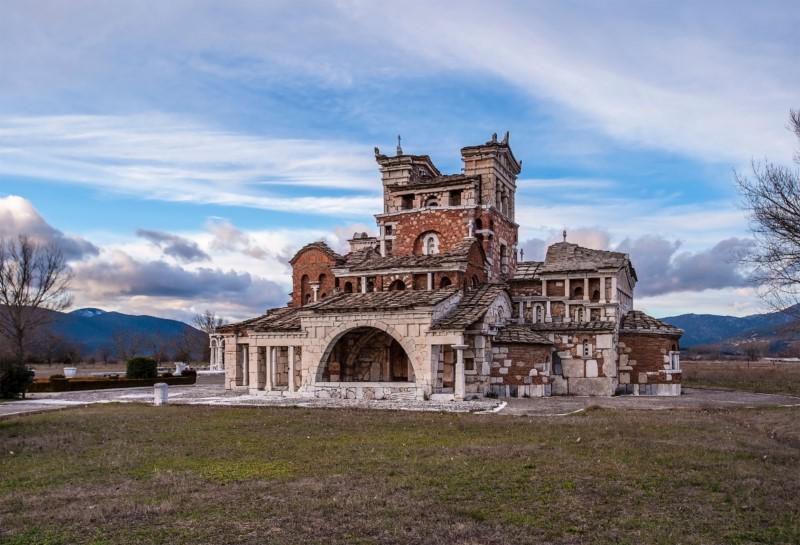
column 160, row 394
column 460, row 387
column 291, row 368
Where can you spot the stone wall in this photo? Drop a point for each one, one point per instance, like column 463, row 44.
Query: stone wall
column 586, row 369
column 520, row 370
column 645, row 360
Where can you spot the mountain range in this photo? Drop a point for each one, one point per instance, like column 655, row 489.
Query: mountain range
column 780, row 330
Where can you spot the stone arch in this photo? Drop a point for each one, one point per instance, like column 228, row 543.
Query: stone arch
column 427, row 243
column 445, row 282
column 334, row 336
column 397, row 285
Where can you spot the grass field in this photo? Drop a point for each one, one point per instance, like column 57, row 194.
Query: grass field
column 762, row 377
column 138, row 474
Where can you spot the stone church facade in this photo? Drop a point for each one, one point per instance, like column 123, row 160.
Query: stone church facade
column 437, row 305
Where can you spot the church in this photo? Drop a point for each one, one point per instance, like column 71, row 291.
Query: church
column 438, row 305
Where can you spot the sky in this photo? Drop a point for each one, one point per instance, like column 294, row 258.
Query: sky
column 180, row 152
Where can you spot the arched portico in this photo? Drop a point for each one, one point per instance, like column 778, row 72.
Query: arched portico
column 365, row 354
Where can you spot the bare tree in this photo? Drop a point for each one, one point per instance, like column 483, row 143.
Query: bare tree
column 34, row 279
column 207, row 321
column 772, row 196
column 754, row 350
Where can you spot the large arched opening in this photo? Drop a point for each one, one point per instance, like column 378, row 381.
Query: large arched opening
column 366, row 354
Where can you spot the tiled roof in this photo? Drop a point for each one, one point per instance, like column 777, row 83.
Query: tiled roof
column 566, row 257
column 471, row 308
column 276, row 319
column 321, row 246
column 520, row 334
column 373, row 261
column 438, row 181
column 381, row 300
column 636, row 321
column 594, row 325
column 527, row 270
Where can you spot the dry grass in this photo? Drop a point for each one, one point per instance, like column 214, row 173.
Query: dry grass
column 138, row 474
column 764, row 377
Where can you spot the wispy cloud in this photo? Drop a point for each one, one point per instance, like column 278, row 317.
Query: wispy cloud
column 168, row 158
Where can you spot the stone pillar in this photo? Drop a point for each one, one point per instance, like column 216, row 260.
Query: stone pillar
column 315, row 290
column 363, row 284
column 603, row 298
column 459, row 378
column 252, row 366
column 269, row 363
column 273, row 371
column 567, row 317
column 430, row 281
column 544, row 287
column 614, row 289
column 548, row 317
column 586, row 289
column 521, row 318
column 567, row 292
column 291, row 368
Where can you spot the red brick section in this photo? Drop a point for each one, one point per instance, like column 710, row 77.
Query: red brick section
column 503, row 230
column 523, row 358
column 450, row 225
column 648, row 351
column 311, row 262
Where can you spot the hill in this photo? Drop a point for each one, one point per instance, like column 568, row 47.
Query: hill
column 94, row 331
column 776, row 328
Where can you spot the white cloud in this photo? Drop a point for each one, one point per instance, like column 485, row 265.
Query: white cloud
column 168, row 158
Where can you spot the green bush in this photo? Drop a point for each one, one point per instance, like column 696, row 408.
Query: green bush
column 141, row 368
column 14, row 380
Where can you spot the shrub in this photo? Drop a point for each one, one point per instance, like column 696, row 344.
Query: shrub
column 141, row 368
column 58, row 376
column 167, row 374
column 188, row 373
column 14, row 380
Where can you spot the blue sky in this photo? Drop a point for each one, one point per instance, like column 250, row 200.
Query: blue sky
column 245, row 129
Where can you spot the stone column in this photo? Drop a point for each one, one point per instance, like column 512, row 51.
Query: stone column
column 430, row 281
column 269, row 363
column 614, row 289
column 363, row 284
column 459, row 371
column 586, row 288
column 603, row 298
column 274, row 367
column 245, row 365
column 567, row 317
column 315, row 290
column 291, row 368
column 567, row 293
column 548, row 317
column 521, row 318
column 252, row 358
column 544, row 287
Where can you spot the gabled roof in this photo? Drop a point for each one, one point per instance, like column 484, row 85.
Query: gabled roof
column 381, row 300
column 319, row 245
column 567, row 257
column 471, row 308
column 636, row 321
column 520, row 334
column 276, row 319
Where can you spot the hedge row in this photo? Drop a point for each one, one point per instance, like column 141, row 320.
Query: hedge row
column 74, row 384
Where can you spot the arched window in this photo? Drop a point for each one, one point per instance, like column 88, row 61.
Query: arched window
column 538, row 314
column 431, row 202
column 323, row 295
column 475, row 281
column 577, row 293
column 322, row 278
column 348, row 287
column 397, row 285
column 596, row 295
column 478, row 224
column 430, row 244
column 308, row 298
column 444, row 282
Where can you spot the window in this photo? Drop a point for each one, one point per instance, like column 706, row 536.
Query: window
column 538, row 314
column 387, row 230
column 455, row 197
column 431, row 202
column 579, row 314
column 430, row 244
column 348, row 287
column 469, row 364
column 475, row 282
column 407, row 202
column 577, row 293
column 586, row 350
column 397, row 285
column 444, row 282
column 387, row 244
column 504, row 258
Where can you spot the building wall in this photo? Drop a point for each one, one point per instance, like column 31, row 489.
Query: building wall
column 645, row 360
column 520, row 370
column 591, row 373
column 312, row 262
column 451, row 225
